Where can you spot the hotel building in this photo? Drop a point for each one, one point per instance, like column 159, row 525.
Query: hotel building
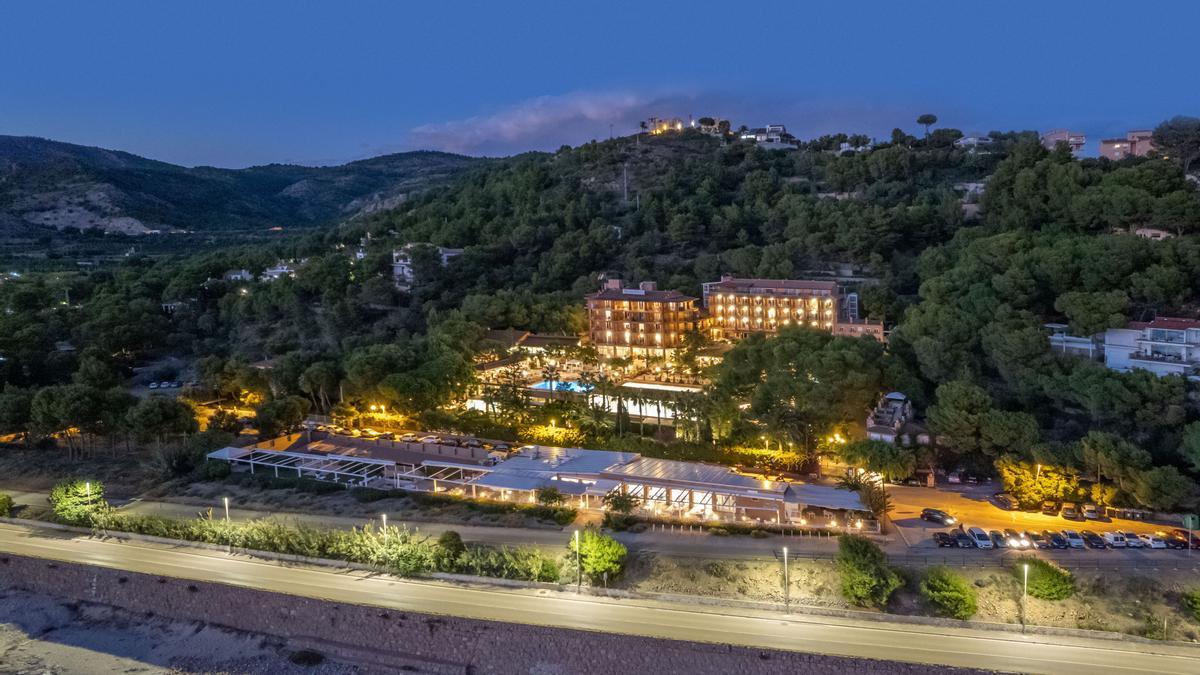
column 738, row 308
column 638, row 322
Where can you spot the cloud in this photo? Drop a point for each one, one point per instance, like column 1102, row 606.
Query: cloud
column 541, row 123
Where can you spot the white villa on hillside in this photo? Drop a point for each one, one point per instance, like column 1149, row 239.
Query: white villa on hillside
column 1164, row 346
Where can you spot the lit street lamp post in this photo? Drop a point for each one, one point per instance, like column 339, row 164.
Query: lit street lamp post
column 578, row 565
column 1024, row 596
column 384, row 517
column 226, row 500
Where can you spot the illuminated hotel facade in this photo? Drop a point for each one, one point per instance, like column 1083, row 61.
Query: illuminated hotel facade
column 738, row 308
column 639, row 322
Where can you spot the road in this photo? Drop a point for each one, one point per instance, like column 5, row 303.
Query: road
column 763, row 629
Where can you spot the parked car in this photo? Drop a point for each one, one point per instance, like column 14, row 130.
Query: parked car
column 154, row 385
column 1115, row 540
column 963, row 539
column 937, row 516
column 1070, row 511
column 1056, row 539
column 1074, row 540
column 1186, row 536
column 1037, row 539
column 501, row 447
column 998, row 539
column 431, row 439
column 979, row 537
column 1173, row 542
column 1090, row 512
column 1153, row 541
column 474, row 443
column 1005, row 501
column 1092, row 539
column 1132, row 540
column 1016, row 539
column 944, row 540
column 1050, row 508
column 409, row 438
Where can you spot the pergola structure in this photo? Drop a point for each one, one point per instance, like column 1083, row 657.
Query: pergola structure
column 336, row 468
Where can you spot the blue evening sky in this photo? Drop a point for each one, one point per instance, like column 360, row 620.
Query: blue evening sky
column 235, row 83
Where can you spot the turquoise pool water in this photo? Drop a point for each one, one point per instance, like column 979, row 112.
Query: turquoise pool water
column 576, row 387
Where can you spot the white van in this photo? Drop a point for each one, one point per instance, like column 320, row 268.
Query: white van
column 981, row 538
column 1115, row 540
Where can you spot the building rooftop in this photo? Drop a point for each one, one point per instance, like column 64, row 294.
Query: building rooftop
column 692, row 473
column 732, row 284
column 547, row 460
column 639, row 294
column 1166, row 323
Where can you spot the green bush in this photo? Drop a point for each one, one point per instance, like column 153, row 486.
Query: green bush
column 75, row 502
column 949, row 593
column 6, row 505
column 867, row 581
column 213, row 470
column 367, row 495
column 1191, row 601
column 1047, row 581
column 600, row 554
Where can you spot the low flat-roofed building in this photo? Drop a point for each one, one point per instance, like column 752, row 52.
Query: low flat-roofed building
column 666, row 488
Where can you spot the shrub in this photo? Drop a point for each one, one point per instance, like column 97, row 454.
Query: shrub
column 213, row 470
column 6, row 505
column 76, row 501
column 450, row 550
column 1047, row 581
column 1191, row 601
column 949, row 593
column 600, row 554
column 867, row 581
column 550, row 496
column 365, row 495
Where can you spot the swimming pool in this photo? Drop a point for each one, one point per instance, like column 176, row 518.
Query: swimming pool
column 568, row 385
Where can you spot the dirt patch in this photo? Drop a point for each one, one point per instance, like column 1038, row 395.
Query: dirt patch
column 340, row 504
column 124, row 473
column 1121, row 601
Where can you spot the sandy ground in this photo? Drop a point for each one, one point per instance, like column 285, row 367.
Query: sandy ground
column 1107, row 600
column 42, row 635
column 340, row 504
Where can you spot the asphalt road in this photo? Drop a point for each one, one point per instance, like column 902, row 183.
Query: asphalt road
column 846, row 637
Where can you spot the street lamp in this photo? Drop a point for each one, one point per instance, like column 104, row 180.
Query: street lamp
column 1039, row 472
column 88, row 487
column 578, row 564
column 787, row 586
column 226, row 500
column 1024, row 596
column 384, row 517
column 766, row 444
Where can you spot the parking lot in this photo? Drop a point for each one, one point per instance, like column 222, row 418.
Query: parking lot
column 972, row 506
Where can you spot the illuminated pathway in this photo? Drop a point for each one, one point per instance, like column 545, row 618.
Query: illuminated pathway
column 847, row 637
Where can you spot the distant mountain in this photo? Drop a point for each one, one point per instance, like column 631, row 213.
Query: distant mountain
column 48, row 184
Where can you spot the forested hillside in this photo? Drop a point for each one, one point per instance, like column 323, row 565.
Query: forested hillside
column 965, row 292
column 55, row 186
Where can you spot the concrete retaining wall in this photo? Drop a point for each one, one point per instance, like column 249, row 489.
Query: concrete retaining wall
column 408, row 641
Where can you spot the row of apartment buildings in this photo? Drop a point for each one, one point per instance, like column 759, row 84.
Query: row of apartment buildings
column 646, row 321
column 1163, row 346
